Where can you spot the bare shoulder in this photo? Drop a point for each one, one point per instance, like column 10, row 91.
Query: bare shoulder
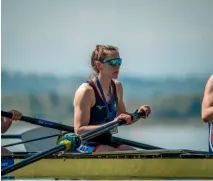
column 208, row 92
column 118, row 84
column 209, row 84
column 83, row 94
column 211, row 79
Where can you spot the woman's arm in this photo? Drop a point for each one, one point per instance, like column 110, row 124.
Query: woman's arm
column 82, row 104
column 207, row 103
column 83, row 101
column 5, row 124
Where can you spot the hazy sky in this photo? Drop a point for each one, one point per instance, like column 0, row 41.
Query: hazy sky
column 155, row 37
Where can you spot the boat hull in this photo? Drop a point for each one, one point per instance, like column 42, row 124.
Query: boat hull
column 119, row 166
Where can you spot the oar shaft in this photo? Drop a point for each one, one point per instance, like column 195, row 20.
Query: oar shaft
column 11, row 136
column 36, row 139
column 91, row 134
column 107, row 127
column 32, row 159
column 40, row 122
column 136, row 144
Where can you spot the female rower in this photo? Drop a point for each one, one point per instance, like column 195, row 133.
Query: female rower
column 6, row 124
column 100, row 101
column 207, row 110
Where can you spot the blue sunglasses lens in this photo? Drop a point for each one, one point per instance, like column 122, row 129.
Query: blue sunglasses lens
column 115, row 62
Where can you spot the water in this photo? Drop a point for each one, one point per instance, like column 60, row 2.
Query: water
column 172, row 136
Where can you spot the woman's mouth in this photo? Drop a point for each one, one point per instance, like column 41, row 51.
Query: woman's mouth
column 116, row 72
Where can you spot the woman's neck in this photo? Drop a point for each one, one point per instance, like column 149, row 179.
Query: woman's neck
column 105, row 82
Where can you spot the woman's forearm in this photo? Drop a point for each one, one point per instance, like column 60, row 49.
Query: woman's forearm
column 207, row 114
column 87, row 128
column 5, row 124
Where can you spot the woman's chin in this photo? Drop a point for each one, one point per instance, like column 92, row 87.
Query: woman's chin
column 115, row 75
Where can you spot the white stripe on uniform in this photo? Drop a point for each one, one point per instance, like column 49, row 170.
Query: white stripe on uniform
column 211, row 137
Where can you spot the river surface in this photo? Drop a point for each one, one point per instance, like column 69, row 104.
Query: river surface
column 173, row 136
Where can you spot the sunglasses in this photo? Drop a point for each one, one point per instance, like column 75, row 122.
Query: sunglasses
column 113, row 62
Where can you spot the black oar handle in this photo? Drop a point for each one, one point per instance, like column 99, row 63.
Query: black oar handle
column 139, row 114
column 6, row 114
column 11, row 136
column 134, row 115
column 40, row 122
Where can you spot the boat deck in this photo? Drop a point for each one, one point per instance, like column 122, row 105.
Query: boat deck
column 153, row 164
column 121, row 154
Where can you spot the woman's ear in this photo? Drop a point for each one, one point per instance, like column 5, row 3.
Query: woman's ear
column 98, row 65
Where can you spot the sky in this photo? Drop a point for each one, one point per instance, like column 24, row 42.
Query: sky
column 154, row 37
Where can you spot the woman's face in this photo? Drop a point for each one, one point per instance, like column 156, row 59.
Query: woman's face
column 110, row 66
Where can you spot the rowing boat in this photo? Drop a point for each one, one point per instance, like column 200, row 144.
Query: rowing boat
column 137, row 164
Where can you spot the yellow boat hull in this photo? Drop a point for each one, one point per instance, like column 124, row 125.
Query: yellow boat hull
column 118, row 166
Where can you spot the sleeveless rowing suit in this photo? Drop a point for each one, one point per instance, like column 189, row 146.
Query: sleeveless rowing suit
column 211, row 137
column 102, row 112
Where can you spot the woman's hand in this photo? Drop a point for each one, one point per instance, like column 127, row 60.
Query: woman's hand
column 16, row 115
column 6, row 122
column 125, row 116
column 146, row 109
column 128, row 117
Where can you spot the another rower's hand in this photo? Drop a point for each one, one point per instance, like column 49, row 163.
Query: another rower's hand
column 125, row 116
column 146, row 109
column 16, row 115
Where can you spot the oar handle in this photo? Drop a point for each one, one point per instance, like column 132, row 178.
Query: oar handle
column 40, row 122
column 11, row 136
column 6, row 114
column 134, row 116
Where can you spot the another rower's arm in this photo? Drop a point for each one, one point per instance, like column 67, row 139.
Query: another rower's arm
column 207, row 103
column 5, row 124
